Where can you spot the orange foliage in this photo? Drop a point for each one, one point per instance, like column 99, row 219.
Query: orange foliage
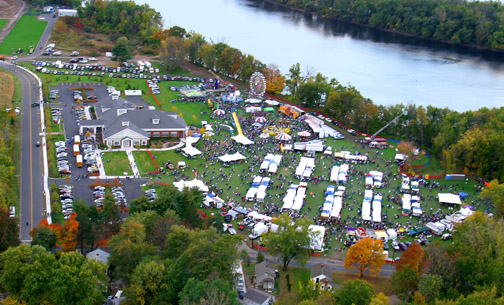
column 275, row 81
column 366, row 253
column 412, row 257
column 70, row 228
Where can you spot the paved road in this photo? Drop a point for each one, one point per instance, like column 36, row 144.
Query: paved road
column 333, row 264
column 32, row 205
column 44, row 39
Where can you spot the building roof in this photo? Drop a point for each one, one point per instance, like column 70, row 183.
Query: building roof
column 256, row 296
column 118, row 126
column 99, row 255
column 167, row 120
column 321, row 269
column 263, row 268
column 91, row 123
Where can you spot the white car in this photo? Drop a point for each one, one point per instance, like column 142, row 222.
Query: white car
column 92, row 59
column 57, row 53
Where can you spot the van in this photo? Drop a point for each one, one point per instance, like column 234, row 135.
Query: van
column 79, row 160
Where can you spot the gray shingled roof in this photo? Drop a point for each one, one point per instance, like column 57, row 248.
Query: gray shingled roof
column 321, row 269
column 143, row 119
column 117, row 127
column 99, row 255
column 257, row 296
column 91, row 122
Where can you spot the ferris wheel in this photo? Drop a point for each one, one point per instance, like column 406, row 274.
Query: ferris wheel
column 257, row 84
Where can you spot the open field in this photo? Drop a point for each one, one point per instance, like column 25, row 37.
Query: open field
column 6, row 90
column 116, row 164
column 26, row 33
column 3, row 22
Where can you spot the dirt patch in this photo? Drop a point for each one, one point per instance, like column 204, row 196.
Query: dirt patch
column 8, row 8
column 6, row 90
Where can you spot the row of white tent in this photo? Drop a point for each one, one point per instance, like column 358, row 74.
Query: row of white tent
column 258, row 189
column 346, row 155
column 333, row 203
column 294, row 198
column 339, row 173
column 374, row 179
column 270, row 163
column 374, row 202
column 407, row 185
column 411, row 204
column 231, row 158
column 305, row 168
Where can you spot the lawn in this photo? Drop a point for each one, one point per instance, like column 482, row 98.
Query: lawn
column 116, row 164
column 52, row 127
column 380, row 283
column 26, row 33
column 3, row 22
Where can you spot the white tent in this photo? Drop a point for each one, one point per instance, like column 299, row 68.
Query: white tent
column 447, row 198
column 191, row 151
column 334, row 174
column 190, row 184
column 242, row 140
column 317, row 240
column 326, row 209
column 406, row 203
column 377, row 207
column 253, row 101
column 272, row 102
column 336, row 209
column 234, row 157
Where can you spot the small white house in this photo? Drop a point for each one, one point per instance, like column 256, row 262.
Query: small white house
column 322, row 275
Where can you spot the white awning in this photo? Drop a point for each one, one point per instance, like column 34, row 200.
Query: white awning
column 449, row 198
column 242, row 140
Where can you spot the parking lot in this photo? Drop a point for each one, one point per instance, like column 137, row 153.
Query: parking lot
column 71, row 117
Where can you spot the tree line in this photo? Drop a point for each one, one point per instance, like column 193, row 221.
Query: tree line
column 477, row 23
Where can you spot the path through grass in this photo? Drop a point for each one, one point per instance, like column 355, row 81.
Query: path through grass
column 116, row 164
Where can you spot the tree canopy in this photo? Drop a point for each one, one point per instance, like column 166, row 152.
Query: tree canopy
column 366, row 253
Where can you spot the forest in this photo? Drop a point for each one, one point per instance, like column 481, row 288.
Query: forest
column 476, row 23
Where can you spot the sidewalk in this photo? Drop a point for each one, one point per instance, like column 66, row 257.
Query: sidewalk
column 131, row 159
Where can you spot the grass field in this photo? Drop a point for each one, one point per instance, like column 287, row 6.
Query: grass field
column 116, row 164
column 6, row 90
column 3, row 22
column 26, row 33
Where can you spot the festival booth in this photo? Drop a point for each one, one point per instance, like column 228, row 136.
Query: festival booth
column 289, row 111
column 377, row 207
column 261, row 190
column 392, row 234
column 271, row 102
column 289, row 197
column 252, row 192
column 191, row 151
column 299, row 199
column 232, row 158
column 406, row 204
column 305, row 168
column 415, row 206
column 259, row 217
column 242, row 140
column 200, row 185
column 400, row 157
column 405, row 187
column 377, row 178
column 342, row 175
column 334, row 174
column 317, row 237
column 273, row 166
column 266, row 163
column 448, row 198
column 336, row 208
column 253, row 101
column 415, row 187
column 366, row 205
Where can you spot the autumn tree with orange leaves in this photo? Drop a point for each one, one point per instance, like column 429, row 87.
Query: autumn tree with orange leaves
column 70, row 230
column 412, row 257
column 366, row 253
column 275, row 81
column 51, row 236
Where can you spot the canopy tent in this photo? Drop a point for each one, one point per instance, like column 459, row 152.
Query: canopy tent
column 190, row 184
column 304, row 133
column 272, row 102
column 219, row 112
column 317, row 239
column 447, row 198
column 242, row 140
column 261, row 119
column 234, row 157
column 253, row 101
column 269, row 109
column 264, row 135
column 283, row 137
column 191, row 151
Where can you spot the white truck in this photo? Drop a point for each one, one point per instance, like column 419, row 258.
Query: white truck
column 258, row 229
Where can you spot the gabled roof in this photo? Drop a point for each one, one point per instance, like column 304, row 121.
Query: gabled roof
column 321, row 269
column 257, row 296
column 263, row 268
column 117, row 127
column 143, row 119
column 99, row 255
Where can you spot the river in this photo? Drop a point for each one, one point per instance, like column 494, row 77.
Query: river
column 385, row 67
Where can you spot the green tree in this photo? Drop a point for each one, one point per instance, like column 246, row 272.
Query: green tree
column 9, row 230
column 356, row 292
column 291, row 241
column 187, row 204
column 148, row 284
column 26, row 272
column 405, row 281
column 121, row 50
column 494, row 193
column 217, row 292
column 430, row 287
column 45, row 237
column 77, row 280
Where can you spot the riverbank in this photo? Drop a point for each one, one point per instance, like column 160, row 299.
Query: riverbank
column 404, row 34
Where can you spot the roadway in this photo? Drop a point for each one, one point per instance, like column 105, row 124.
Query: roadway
column 32, row 204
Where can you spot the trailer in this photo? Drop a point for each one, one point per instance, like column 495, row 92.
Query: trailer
column 258, row 229
column 77, row 139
